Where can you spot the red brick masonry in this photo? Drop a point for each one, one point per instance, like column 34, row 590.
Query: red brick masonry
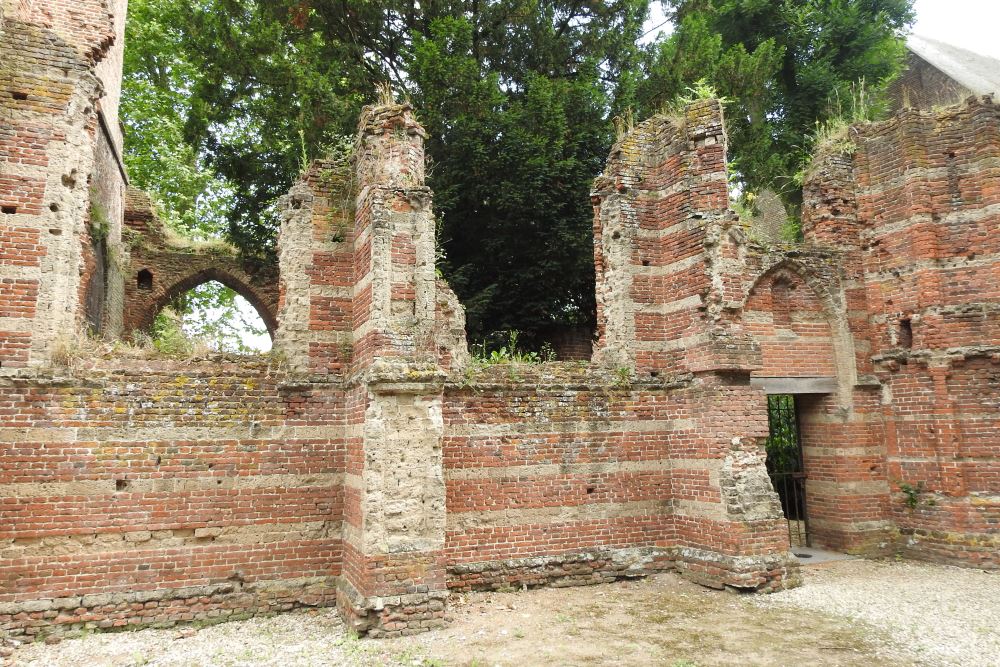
column 370, row 465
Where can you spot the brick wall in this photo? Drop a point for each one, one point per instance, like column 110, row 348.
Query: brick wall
column 61, row 62
column 931, row 266
column 377, row 469
column 923, row 86
column 159, row 492
column 161, row 268
column 786, row 317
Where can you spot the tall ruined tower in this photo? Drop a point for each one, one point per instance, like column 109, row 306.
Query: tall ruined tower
column 61, row 175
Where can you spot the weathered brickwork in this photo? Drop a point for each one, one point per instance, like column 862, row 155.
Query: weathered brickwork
column 617, row 478
column 371, row 465
column 155, row 493
column 931, row 263
column 161, row 269
column 60, row 70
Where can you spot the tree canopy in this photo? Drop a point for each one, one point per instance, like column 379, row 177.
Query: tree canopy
column 226, row 100
column 784, row 65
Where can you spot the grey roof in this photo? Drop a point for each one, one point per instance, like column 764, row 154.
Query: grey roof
column 978, row 73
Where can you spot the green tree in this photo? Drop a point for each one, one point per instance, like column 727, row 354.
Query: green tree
column 516, row 96
column 160, row 71
column 516, row 138
column 784, row 64
column 512, row 170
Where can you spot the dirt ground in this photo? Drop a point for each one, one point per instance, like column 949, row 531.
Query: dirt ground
column 840, row 617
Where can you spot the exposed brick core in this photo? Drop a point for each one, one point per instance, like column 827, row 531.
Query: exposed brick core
column 57, row 68
column 374, row 468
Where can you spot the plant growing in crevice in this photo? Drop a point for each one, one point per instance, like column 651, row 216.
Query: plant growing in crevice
column 623, row 377
column 833, row 135
column 624, row 124
column 911, row 493
column 100, row 225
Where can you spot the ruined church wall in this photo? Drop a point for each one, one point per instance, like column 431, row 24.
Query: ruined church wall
column 564, row 474
column 929, row 190
column 367, row 464
column 49, row 160
column 160, row 267
column 159, row 492
column 554, row 474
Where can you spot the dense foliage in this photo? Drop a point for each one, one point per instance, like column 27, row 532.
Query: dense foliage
column 226, row 100
column 784, row 65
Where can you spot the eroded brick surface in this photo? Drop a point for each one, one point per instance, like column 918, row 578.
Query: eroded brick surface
column 371, row 466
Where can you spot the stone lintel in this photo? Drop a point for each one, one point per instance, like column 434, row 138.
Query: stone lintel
column 795, row 385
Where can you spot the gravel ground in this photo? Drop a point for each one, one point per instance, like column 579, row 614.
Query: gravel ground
column 848, row 613
column 937, row 614
column 298, row 639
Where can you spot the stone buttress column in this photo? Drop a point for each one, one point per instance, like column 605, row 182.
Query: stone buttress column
column 394, row 576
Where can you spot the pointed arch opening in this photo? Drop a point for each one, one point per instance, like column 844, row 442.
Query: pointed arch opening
column 789, row 320
column 808, row 372
column 214, row 309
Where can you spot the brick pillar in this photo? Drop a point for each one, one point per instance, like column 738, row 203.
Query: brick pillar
column 659, row 209
column 394, row 575
column 56, row 224
column 664, row 261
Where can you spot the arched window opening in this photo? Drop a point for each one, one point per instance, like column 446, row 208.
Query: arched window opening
column 144, row 279
column 210, row 317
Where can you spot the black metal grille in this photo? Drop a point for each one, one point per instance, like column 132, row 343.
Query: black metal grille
column 784, row 465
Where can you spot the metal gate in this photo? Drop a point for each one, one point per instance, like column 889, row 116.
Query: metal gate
column 784, row 465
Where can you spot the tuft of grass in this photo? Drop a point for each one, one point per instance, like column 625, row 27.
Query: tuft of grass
column 74, row 351
column 700, row 90
column 177, row 240
column 833, row 135
column 384, row 95
column 624, row 124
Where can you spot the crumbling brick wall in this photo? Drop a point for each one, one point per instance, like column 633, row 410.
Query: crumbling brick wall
column 160, row 269
column 561, row 475
column 931, row 263
column 154, row 492
column 662, row 224
column 52, row 82
column 370, row 464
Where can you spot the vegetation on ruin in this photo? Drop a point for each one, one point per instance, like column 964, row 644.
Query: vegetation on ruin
column 784, row 66
column 510, row 352
column 225, row 101
column 84, row 348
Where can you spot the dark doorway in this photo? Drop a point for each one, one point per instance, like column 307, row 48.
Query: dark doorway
column 784, row 465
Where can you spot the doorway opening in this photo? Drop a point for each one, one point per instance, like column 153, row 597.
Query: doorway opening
column 785, row 465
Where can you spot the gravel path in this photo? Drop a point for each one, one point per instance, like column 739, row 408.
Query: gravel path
column 299, row 639
column 848, row 613
column 938, row 615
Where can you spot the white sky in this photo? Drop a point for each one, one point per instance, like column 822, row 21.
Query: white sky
column 261, row 343
column 969, row 24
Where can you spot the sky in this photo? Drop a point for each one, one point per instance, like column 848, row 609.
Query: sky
column 970, row 24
